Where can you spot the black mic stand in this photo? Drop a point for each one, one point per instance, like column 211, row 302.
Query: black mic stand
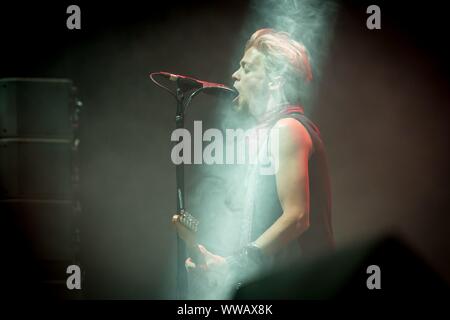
column 183, row 101
column 181, row 246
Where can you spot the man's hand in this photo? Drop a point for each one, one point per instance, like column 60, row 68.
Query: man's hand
column 214, row 268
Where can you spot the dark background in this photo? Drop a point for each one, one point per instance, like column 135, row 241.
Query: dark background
column 382, row 107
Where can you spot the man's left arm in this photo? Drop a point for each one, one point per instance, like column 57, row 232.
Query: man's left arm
column 295, row 147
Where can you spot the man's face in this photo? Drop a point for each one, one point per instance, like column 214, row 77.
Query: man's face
column 250, row 80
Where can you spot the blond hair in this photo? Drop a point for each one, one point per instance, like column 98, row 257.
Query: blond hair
column 285, row 57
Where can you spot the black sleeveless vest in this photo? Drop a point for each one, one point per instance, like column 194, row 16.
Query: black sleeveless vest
column 267, row 208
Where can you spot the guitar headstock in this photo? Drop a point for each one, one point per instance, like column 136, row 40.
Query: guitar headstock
column 187, row 226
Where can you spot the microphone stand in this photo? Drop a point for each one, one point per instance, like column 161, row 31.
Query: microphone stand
column 181, row 246
column 183, row 102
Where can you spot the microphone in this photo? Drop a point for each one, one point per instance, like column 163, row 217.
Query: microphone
column 189, row 83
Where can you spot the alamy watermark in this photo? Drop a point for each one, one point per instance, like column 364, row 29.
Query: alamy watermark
column 374, row 280
column 254, row 146
column 374, row 20
column 74, row 279
column 74, row 20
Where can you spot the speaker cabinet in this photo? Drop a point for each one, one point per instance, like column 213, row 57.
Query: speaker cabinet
column 39, row 179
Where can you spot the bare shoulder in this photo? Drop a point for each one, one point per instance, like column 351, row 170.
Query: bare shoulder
column 292, row 136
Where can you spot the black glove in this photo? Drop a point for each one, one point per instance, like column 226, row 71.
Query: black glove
column 247, row 262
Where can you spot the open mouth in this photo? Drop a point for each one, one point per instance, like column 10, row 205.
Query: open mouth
column 236, row 99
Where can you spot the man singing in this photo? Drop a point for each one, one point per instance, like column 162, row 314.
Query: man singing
column 288, row 213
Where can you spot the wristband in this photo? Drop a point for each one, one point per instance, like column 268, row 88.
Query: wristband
column 248, row 259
